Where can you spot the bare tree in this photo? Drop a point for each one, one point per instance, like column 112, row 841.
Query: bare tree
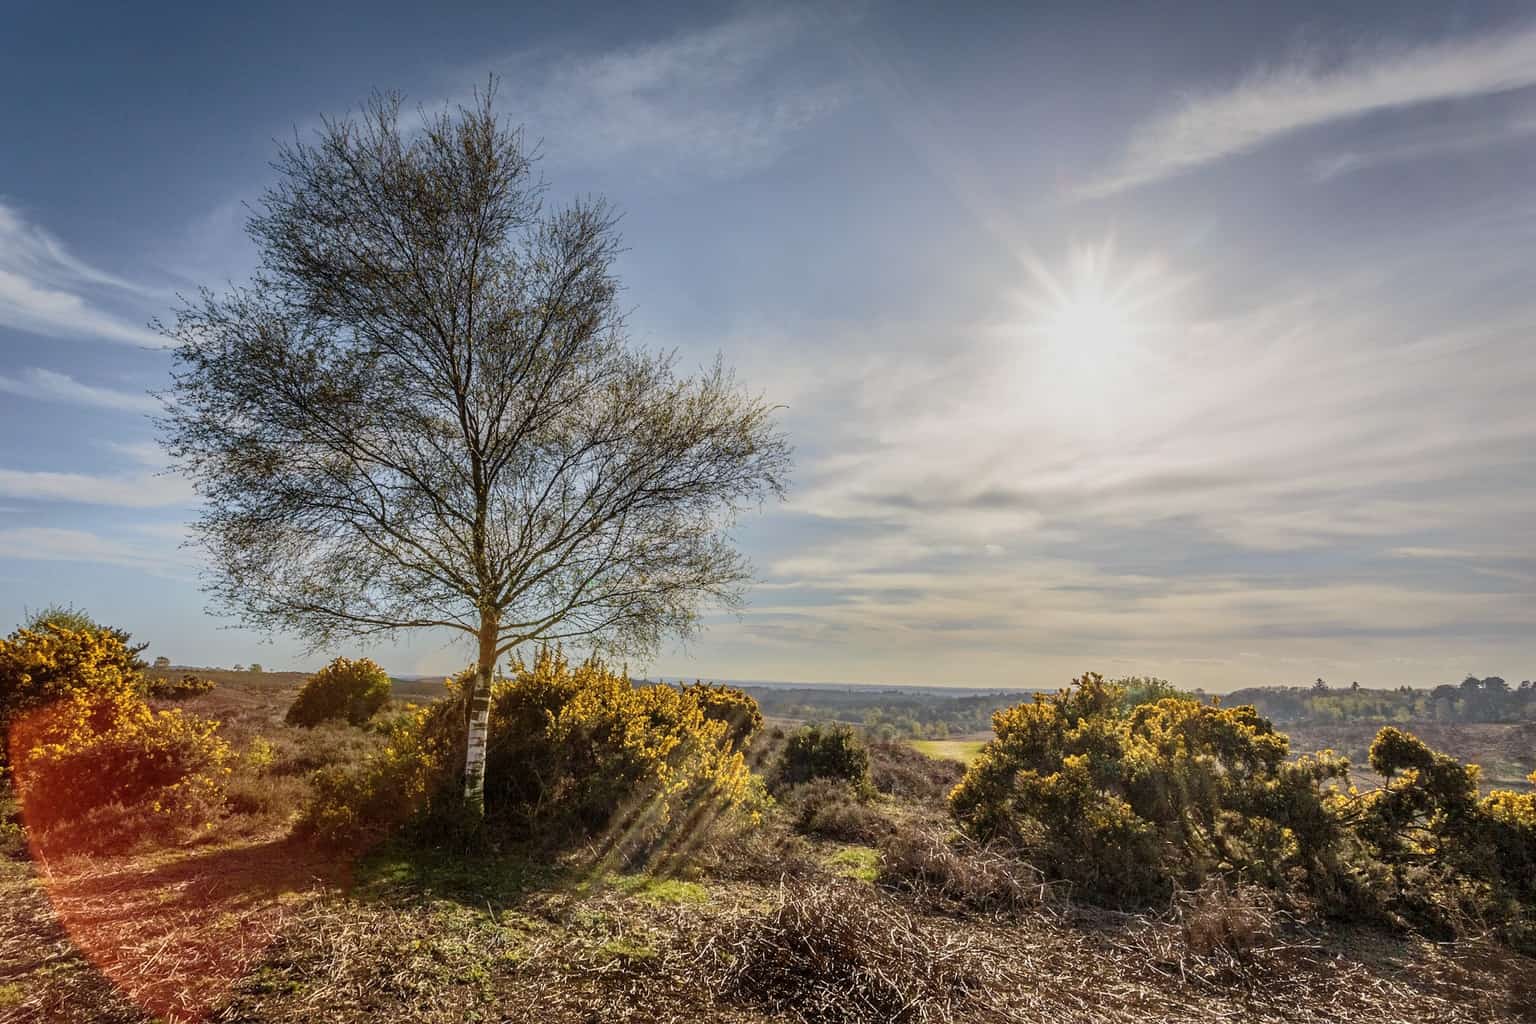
column 423, row 412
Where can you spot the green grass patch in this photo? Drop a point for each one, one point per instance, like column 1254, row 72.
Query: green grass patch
column 857, row 862
column 625, row 949
column 651, row 889
column 474, row 878
column 963, row 751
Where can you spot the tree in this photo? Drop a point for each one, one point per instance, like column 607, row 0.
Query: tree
column 254, row 666
column 424, row 412
column 162, row 662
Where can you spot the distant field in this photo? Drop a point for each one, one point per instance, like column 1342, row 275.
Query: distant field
column 955, row 750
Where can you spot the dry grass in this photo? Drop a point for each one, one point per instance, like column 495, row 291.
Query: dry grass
column 898, row 769
column 940, row 869
column 840, row 954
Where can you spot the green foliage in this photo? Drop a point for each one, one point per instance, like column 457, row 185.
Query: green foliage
column 1130, row 806
column 822, row 752
column 576, row 752
column 1452, row 855
column 344, row 690
column 1490, row 699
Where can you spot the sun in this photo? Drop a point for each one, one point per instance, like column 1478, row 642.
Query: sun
column 1090, row 327
column 1094, row 322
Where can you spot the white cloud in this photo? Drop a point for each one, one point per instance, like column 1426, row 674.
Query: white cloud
column 138, row 491
column 47, row 544
column 45, row 289
column 1441, row 144
column 58, row 387
column 718, row 102
column 1274, row 102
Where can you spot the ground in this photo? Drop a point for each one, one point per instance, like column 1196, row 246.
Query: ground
column 262, row 930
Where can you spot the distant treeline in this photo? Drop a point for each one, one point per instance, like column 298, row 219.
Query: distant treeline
column 891, row 714
column 886, row 714
column 904, row 714
column 1492, row 699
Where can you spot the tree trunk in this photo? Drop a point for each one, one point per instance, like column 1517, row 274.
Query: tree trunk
column 479, row 718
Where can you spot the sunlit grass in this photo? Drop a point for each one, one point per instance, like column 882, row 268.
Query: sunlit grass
column 963, row 751
column 861, row 863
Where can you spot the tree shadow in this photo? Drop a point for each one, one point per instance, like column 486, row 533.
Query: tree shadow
column 174, row 929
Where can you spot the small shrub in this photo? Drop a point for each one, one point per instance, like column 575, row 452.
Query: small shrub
column 91, row 753
column 833, row 809
column 347, row 690
column 839, row 953
column 180, row 688
column 822, row 752
column 765, row 855
column 1221, row 919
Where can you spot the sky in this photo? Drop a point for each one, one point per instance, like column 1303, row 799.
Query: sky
column 1194, row 342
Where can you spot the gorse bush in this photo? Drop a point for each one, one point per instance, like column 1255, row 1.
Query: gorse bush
column 576, row 752
column 92, row 763
column 110, row 749
column 1131, row 805
column 727, row 704
column 822, row 752
column 346, row 689
column 179, row 688
column 1451, row 854
column 52, row 663
column 40, row 667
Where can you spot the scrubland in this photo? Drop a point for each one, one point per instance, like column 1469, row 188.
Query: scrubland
column 753, row 873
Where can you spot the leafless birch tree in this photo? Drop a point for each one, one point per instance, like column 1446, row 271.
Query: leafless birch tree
column 423, row 413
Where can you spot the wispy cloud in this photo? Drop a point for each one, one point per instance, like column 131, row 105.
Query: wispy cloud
column 1439, row 145
column 718, row 101
column 1277, row 101
column 49, row 544
column 135, row 491
column 46, row 289
column 48, row 385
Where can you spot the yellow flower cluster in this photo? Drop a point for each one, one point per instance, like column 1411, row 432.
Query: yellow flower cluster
column 81, row 737
column 575, row 749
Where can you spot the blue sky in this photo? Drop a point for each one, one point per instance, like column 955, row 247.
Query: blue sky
column 1178, row 342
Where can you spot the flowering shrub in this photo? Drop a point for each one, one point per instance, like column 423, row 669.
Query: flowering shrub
column 94, row 750
column 167, row 688
column 40, row 667
column 344, row 689
column 575, row 751
column 1130, row 806
column 727, row 704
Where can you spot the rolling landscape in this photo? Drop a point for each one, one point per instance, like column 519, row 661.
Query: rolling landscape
column 861, row 512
